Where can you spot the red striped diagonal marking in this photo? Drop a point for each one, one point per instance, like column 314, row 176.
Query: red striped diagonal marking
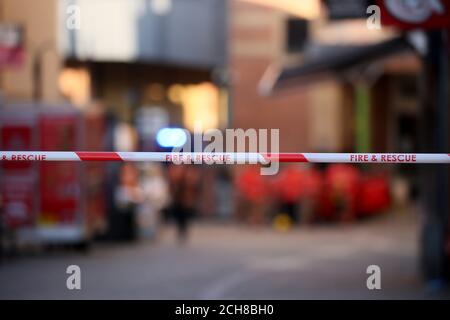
column 286, row 157
column 98, row 156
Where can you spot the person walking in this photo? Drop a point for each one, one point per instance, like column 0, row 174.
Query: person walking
column 184, row 189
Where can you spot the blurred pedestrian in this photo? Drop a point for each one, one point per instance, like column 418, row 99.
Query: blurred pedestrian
column 288, row 190
column 252, row 194
column 128, row 195
column 155, row 197
column 343, row 182
column 312, row 187
column 184, row 183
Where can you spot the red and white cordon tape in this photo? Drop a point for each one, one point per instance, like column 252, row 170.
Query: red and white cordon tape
column 226, row 157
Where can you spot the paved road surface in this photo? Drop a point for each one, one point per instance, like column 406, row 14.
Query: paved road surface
column 228, row 261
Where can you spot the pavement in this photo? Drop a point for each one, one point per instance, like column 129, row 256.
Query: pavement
column 227, row 261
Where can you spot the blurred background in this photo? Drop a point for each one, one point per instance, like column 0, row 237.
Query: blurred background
column 127, row 75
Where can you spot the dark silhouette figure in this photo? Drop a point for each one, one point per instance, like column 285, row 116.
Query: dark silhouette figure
column 184, row 185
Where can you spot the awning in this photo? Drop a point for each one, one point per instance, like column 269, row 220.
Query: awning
column 328, row 60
